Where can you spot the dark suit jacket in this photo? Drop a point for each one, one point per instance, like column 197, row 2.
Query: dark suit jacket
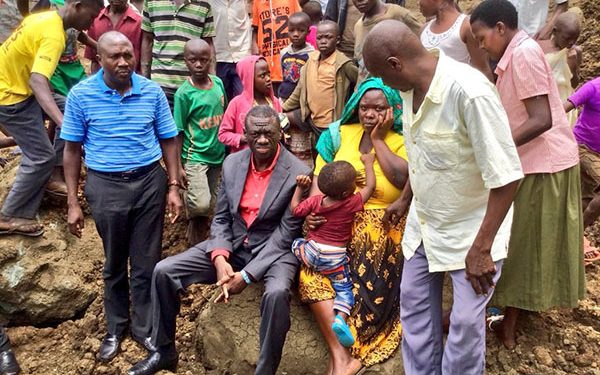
column 270, row 236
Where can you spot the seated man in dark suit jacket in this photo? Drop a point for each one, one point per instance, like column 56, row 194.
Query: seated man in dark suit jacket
column 250, row 239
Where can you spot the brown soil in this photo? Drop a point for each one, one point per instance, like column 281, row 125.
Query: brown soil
column 554, row 342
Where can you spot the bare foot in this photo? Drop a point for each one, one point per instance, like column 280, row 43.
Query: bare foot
column 352, row 367
column 56, row 184
column 329, row 367
column 507, row 338
column 590, row 253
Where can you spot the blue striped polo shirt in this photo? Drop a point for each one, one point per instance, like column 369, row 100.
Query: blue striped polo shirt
column 118, row 133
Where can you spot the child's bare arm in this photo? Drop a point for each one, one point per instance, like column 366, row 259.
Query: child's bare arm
column 302, row 185
column 574, row 58
column 367, row 191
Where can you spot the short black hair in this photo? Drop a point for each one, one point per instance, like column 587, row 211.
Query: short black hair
column 314, row 10
column 302, row 17
column 336, row 27
column 97, row 3
column 490, row 12
column 336, row 178
column 262, row 111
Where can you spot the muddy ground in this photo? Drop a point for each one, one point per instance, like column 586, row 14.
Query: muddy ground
column 554, row 342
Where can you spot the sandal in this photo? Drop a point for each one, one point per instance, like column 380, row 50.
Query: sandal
column 590, row 253
column 494, row 315
column 492, row 320
column 591, row 256
column 342, row 331
column 23, row 230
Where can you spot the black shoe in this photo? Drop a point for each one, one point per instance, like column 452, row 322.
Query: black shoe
column 8, row 363
column 146, row 342
column 110, row 347
column 153, row 363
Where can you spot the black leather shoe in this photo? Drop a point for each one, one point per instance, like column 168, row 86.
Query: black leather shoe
column 110, row 347
column 153, row 363
column 146, row 342
column 8, row 363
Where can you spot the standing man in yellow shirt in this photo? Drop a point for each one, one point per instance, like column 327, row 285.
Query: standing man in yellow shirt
column 27, row 61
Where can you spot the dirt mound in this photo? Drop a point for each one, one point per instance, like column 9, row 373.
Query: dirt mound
column 590, row 39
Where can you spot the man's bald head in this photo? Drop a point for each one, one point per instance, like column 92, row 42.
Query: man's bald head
column 111, row 38
column 388, row 50
column 391, row 38
column 115, row 54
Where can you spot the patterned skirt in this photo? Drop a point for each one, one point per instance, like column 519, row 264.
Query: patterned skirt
column 376, row 268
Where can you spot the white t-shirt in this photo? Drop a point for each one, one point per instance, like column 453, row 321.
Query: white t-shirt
column 533, row 14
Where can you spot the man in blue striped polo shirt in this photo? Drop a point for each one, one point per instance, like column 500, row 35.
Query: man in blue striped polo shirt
column 125, row 126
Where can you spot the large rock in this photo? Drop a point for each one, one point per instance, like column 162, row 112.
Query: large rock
column 37, row 285
column 227, row 339
column 46, row 280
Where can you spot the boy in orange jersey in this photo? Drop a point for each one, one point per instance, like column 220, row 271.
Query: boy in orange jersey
column 270, row 32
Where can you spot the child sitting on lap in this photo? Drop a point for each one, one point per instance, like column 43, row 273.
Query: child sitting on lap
column 324, row 249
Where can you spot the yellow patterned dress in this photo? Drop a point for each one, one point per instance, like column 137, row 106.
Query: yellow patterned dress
column 375, row 259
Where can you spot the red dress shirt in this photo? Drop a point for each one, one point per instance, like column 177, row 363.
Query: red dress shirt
column 252, row 196
column 129, row 25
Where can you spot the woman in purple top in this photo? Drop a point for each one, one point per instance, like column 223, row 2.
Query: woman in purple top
column 587, row 133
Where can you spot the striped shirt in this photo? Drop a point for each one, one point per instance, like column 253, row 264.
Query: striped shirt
column 173, row 26
column 118, row 133
column 523, row 73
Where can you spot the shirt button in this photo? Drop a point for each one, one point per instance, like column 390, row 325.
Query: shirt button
column 255, row 195
column 414, row 142
column 422, row 222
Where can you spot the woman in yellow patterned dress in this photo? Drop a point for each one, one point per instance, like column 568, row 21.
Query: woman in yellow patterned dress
column 371, row 122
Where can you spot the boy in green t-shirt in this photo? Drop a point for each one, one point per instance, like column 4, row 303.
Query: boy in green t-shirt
column 199, row 105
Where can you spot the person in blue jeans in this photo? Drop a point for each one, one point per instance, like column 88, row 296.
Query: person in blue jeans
column 324, row 249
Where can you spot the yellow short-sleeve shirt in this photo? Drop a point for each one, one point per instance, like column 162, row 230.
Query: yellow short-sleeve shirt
column 34, row 47
column 385, row 192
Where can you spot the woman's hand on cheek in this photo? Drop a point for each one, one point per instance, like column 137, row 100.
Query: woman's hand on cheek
column 384, row 125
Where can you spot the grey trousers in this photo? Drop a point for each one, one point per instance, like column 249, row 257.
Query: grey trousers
column 174, row 274
column 129, row 216
column 25, row 123
column 4, row 342
column 59, row 143
column 421, row 316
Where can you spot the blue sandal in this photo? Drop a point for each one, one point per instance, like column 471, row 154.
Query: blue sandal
column 342, row 331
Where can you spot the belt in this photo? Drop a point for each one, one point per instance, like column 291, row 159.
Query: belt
column 131, row 174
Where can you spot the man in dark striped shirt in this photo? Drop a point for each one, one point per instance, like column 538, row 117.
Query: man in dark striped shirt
column 167, row 25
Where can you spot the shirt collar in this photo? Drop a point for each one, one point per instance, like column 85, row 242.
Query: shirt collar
column 317, row 54
column 437, row 86
column 506, row 57
column 129, row 13
column 270, row 168
column 135, row 83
